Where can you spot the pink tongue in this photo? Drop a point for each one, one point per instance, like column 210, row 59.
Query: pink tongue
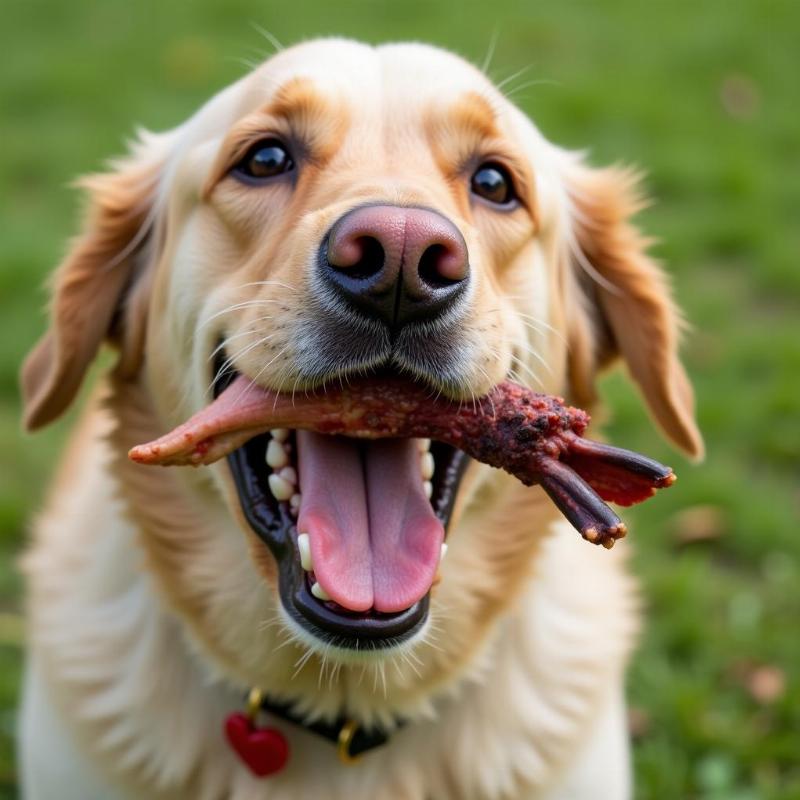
column 375, row 541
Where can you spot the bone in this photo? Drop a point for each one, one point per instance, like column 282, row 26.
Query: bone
column 535, row 437
column 580, row 504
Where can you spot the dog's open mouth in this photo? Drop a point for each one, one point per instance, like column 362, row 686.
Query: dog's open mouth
column 357, row 527
column 352, row 498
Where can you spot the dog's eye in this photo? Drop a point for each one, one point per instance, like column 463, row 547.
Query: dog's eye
column 266, row 159
column 493, row 183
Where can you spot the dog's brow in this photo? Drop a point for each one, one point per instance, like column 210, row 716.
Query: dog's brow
column 461, row 128
column 473, row 113
column 298, row 98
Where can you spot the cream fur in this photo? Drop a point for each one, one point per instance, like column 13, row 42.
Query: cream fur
column 151, row 603
column 146, row 708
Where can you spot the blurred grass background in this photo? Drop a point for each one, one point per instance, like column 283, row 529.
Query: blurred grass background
column 699, row 95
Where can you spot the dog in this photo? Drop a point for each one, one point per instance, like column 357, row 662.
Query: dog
column 343, row 210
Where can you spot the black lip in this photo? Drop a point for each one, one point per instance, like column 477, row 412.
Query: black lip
column 273, row 523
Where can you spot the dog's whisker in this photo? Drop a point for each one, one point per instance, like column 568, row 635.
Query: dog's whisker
column 515, row 90
column 540, row 325
column 234, row 357
column 259, row 52
column 529, row 372
column 515, row 376
column 489, row 380
column 287, row 641
column 294, row 388
column 414, row 664
column 228, row 339
column 586, row 265
column 382, row 669
column 531, row 320
column 242, row 62
column 487, row 60
column 500, row 85
column 263, row 369
column 268, row 624
column 537, row 332
column 280, row 284
column 264, row 301
column 530, row 350
column 302, row 661
column 268, row 35
column 241, row 353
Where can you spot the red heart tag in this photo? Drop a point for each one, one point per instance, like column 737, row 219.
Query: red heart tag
column 264, row 750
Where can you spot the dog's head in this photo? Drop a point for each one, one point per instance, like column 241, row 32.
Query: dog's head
column 347, row 210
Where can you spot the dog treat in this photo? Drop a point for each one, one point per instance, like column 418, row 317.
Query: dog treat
column 535, row 437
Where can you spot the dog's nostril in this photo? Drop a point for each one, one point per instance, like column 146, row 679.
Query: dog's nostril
column 437, row 268
column 366, row 258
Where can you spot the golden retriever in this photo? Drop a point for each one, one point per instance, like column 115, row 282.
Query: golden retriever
column 343, row 209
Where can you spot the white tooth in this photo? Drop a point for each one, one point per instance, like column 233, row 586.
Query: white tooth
column 424, row 445
column 289, row 474
column 443, row 553
column 427, row 465
column 428, row 487
column 277, row 456
column 280, row 488
column 319, row 592
column 280, row 434
column 304, row 546
column 294, row 501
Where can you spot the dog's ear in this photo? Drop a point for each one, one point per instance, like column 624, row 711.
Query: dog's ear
column 623, row 303
column 93, row 289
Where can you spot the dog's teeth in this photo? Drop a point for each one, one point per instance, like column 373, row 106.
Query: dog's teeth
column 277, row 456
column 280, row 488
column 428, row 488
column 280, row 434
column 294, row 501
column 289, row 474
column 443, row 553
column 304, row 546
column 427, row 465
column 319, row 592
column 424, row 445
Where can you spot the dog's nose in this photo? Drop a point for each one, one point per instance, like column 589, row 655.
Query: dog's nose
column 395, row 263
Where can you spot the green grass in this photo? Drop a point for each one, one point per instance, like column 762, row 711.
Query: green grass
column 696, row 93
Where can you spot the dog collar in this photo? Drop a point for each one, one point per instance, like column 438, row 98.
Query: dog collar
column 265, row 750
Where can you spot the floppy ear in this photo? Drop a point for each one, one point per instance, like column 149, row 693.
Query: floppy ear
column 90, row 287
column 623, row 304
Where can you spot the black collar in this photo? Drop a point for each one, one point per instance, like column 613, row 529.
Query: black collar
column 349, row 737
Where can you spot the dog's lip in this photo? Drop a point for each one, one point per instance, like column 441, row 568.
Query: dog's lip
column 350, row 630
column 276, row 527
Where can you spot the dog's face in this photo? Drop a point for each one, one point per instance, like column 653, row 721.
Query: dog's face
column 347, row 210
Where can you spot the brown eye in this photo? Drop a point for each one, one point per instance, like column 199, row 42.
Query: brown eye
column 267, row 159
column 493, row 183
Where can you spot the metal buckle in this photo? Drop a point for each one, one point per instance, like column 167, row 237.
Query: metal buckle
column 346, row 734
column 254, row 700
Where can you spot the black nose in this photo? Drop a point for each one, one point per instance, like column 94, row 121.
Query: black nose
column 396, row 264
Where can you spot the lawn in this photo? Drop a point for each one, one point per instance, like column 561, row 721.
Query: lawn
column 698, row 94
